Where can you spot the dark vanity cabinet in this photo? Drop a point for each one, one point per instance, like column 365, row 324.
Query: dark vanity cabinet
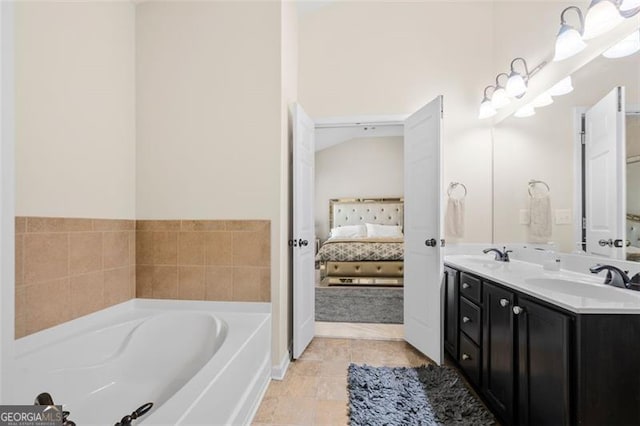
column 498, row 355
column 451, row 311
column 544, row 357
column 534, row 363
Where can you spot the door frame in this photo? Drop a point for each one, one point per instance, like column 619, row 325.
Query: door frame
column 578, row 172
column 7, row 199
column 358, row 121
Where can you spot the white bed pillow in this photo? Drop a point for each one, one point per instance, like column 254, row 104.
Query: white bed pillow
column 350, row 231
column 383, row 231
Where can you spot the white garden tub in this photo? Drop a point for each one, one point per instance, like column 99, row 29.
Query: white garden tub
column 198, row 362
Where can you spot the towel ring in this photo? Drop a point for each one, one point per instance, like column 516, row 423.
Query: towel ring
column 453, row 186
column 533, row 183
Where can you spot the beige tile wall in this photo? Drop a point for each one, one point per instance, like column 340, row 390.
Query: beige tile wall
column 66, row 268
column 203, row 259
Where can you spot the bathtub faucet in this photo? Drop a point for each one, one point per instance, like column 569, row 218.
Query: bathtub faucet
column 45, row 399
column 143, row 409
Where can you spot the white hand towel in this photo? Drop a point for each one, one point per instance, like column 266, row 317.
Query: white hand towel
column 454, row 218
column 540, row 213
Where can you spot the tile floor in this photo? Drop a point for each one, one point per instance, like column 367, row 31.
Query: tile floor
column 351, row 330
column 314, row 390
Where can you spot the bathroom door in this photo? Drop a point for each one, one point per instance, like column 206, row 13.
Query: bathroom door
column 423, row 266
column 605, row 176
column 303, row 238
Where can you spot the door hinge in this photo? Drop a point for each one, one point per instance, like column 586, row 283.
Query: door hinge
column 583, row 130
column 584, row 223
column 619, row 99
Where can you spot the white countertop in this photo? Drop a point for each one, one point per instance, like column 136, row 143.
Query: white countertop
column 575, row 292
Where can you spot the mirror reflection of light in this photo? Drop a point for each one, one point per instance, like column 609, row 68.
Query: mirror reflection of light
column 562, row 87
column 525, row 111
column 628, row 46
column 542, row 100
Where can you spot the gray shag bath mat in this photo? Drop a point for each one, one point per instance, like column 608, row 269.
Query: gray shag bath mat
column 425, row 396
column 369, row 305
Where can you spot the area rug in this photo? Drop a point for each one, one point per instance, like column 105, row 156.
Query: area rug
column 425, row 396
column 369, row 305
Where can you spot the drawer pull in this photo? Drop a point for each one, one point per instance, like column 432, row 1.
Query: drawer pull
column 504, row 303
column 465, row 286
column 466, row 357
column 467, row 319
column 517, row 310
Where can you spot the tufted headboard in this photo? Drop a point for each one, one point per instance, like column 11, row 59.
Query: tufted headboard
column 358, row 211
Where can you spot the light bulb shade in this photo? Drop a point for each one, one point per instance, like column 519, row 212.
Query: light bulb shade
column 486, row 109
column 516, row 85
column 499, row 99
column 525, row 111
column 628, row 5
column 628, row 46
column 602, row 16
column 562, row 87
column 542, row 100
column 568, row 43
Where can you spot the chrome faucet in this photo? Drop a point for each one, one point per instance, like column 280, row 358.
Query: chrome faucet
column 501, row 256
column 617, row 277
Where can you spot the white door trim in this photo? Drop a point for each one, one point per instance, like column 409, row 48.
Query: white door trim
column 7, row 200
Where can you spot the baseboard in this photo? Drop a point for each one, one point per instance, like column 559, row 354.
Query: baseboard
column 278, row 371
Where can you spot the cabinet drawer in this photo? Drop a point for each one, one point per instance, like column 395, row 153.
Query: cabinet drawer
column 470, row 319
column 470, row 359
column 470, row 287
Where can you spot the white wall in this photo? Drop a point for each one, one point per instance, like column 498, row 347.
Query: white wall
column 75, row 117
column 358, row 168
column 7, row 192
column 211, row 120
column 368, row 58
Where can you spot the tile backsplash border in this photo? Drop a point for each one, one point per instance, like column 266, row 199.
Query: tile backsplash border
column 70, row 267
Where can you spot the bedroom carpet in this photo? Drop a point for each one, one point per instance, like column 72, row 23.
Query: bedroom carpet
column 370, row 305
column 425, row 396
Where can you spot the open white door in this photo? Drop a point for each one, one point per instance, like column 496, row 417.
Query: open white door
column 423, row 265
column 303, row 231
column 605, row 176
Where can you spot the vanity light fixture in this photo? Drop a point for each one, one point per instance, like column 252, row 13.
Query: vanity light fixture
column 500, row 99
column 517, row 83
column 562, row 87
column 629, row 5
column 627, row 46
column 602, row 16
column 542, row 100
column 526, row 111
column 569, row 39
column 486, row 107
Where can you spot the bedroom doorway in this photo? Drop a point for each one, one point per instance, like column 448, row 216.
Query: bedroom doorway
column 417, row 211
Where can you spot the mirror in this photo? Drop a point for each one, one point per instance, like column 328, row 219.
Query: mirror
column 633, row 185
column 545, row 149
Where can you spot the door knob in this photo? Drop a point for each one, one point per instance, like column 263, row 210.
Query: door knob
column 431, row 242
column 466, row 319
column 517, row 310
column 504, row 303
column 465, row 286
column 303, row 243
column 604, row 242
column 465, row 357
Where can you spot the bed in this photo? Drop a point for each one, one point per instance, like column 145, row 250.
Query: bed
column 374, row 257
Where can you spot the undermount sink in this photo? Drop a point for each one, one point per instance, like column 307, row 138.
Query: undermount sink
column 593, row 291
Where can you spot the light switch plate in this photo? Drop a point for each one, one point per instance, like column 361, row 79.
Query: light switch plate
column 563, row 217
column 525, row 217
